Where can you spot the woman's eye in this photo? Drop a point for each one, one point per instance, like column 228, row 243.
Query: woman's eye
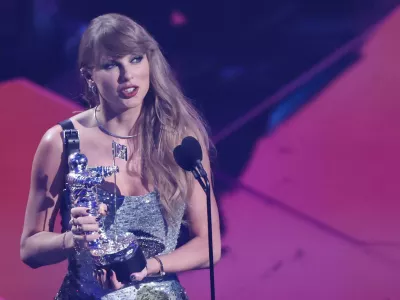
column 108, row 66
column 136, row 59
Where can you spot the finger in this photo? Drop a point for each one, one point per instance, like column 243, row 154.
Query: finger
column 104, row 280
column 139, row 276
column 74, row 221
column 77, row 230
column 99, row 272
column 86, row 237
column 136, row 277
column 84, row 224
column 103, row 209
column 84, row 220
column 82, row 238
column 96, row 275
column 79, row 211
column 114, row 283
column 71, row 222
column 87, row 227
column 100, row 278
column 91, row 236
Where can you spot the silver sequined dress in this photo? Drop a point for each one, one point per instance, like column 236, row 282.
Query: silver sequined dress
column 141, row 215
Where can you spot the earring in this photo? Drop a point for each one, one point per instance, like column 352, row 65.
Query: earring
column 92, row 87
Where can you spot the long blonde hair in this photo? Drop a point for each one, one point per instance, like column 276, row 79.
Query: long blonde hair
column 166, row 116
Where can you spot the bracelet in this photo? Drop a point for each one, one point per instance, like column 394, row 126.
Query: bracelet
column 162, row 273
column 63, row 241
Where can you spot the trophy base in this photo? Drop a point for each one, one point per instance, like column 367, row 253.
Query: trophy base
column 123, row 263
column 124, row 269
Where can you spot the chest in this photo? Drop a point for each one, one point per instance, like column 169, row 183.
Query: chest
column 99, row 151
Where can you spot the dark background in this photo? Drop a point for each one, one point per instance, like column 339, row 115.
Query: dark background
column 229, row 55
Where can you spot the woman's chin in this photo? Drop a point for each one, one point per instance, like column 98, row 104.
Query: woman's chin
column 131, row 102
column 124, row 103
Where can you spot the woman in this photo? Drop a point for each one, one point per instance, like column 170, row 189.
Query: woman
column 137, row 104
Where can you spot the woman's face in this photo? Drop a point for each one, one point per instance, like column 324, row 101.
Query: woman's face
column 122, row 83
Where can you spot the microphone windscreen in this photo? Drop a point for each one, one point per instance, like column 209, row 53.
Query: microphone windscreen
column 181, row 159
column 192, row 147
column 188, row 153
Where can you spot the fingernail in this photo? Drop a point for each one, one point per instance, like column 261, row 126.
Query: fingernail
column 88, row 210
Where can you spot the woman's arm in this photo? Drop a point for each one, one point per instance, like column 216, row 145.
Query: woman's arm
column 195, row 253
column 39, row 246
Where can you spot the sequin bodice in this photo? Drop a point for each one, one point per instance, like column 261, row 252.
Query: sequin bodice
column 141, row 215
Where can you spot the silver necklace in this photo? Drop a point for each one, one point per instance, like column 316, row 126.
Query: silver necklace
column 103, row 129
column 118, row 150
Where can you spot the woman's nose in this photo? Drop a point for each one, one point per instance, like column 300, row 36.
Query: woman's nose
column 126, row 74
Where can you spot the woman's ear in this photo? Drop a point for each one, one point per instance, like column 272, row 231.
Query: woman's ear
column 86, row 74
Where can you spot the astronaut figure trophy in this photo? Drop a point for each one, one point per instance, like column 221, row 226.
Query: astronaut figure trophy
column 114, row 250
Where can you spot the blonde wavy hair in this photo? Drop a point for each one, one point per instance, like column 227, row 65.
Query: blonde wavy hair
column 166, row 116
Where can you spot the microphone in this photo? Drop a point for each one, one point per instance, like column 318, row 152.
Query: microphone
column 188, row 156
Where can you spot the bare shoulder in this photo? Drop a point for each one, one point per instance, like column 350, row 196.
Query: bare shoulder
column 48, row 154
column 52, row 140
column 51, row 144
column 84, row 119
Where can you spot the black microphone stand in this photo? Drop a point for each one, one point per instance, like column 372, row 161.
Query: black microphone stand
column 200, row 174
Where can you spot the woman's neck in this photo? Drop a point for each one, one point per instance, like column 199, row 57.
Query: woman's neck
column 117, row 122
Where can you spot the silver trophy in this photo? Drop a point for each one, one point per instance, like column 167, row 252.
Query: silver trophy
column 114, row 250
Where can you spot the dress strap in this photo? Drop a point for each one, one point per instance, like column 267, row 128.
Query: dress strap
column 71, row 145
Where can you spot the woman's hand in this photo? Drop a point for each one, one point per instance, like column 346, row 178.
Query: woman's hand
column 84, row 227
column 108, row 279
